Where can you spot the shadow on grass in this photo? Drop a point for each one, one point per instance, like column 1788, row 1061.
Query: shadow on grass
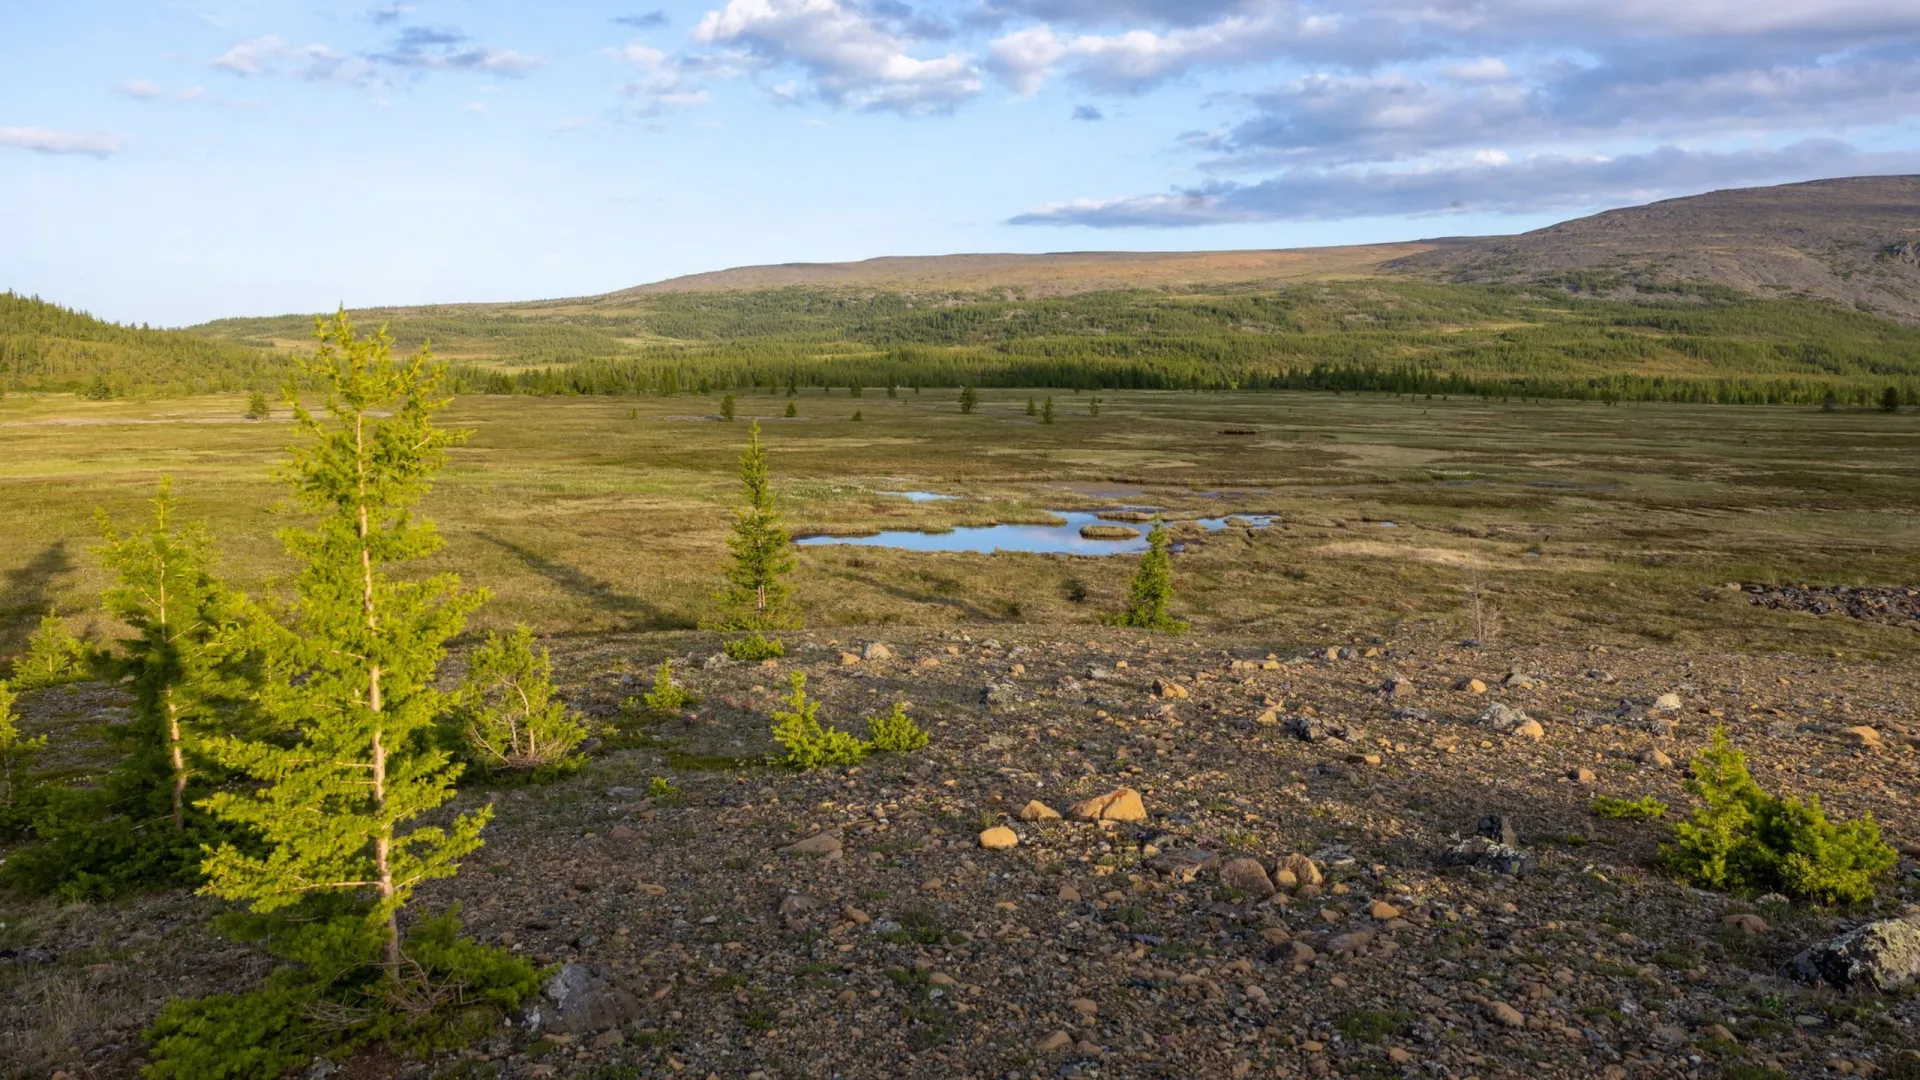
column 28, row 594
column 640, row 613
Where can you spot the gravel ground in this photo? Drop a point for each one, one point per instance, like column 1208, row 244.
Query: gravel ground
column 1128, row 948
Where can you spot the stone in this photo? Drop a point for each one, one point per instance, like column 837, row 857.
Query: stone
column 797, row 904
column 1172, row 691
column 999, row 694
column 1503, row 718
column 848, row 659
column 1183, row 865
column 1284, row 879
column 1069, row 894
column 29, row 956
column 1519, row 680
column 716, row 662
column 1055, row 1043
column 1120, row 804
column 1505, row 1015
column 1490, row 855
column 1654, row 756
column 1719, row 1033
column 826, row 845
column 1304, row 871
column 1248, row 876
column 1864, row 737
column 876, row 650
column 1746, row 924
column 1881, row 956
column 999, row 838
column 1471, row 686
column 1501, row 828
column 1530, row 729
column 582, row 999
column 1035, row 810
column 1582, row 775
column 1268, row 718
column 1668, row 702
column 1085, row 1006
column 1398, row 685
column 1383, row 911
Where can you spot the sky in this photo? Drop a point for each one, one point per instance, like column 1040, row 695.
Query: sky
column 177, row 161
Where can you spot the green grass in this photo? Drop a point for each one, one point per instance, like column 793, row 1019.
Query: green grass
column 587, row 515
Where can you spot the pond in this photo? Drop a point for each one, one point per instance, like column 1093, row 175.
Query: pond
column 1044, row 539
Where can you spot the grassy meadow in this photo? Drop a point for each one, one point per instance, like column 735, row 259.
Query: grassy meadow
column 1612, row 524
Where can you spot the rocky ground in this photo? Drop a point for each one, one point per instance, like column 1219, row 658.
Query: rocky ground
column 754, row 922
column 1890, row 604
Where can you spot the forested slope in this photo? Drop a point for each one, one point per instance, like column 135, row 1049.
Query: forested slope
column 47, row 347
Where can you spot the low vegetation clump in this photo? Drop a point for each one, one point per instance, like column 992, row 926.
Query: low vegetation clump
column 1644, row 808
column 1743, row 839
column 667, row 697
column 895, row 732
column 1151, row 594
column 754, row 648
column 808, row 744
column 54, row 656
column 257, row 407
column 507, row 715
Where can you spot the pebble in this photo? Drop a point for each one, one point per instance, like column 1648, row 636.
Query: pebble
column 1035, row 810
column 1506, row 1015
column 999, row 838
column 822, row 844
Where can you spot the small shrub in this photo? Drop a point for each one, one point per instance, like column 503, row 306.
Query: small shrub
column 895, row 732
column 809, row 745
column 1741, row 838
column 667, row 697
column 54, row 656
column 661, row 790
column 257, row 407
column 754, row 648
column 507, row 711
column 726, row 408
column 1644, row 808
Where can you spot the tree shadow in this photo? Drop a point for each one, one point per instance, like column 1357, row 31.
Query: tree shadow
column 29, row 593
column 640, row 613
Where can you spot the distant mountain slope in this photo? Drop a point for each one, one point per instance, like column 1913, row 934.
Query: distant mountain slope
column 1055, row 274
column 45, row 346
column 1853, row 240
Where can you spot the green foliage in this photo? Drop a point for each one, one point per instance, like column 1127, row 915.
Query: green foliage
column 1742, row 838
column 1644, row 808
column 1093, row 405
column 1046, row 411
column 1890, row 399
column 754, row 648
column 54, row 656
column 49, row 348
column 352, row 666
column 858, row 415
column 507, row 714
column 809, row 745
column 792, row 410
column 895, row 732
column 726, row 408
column 257, row 407
column 1032, row 409
column 16, row 755
column 661, row 789
column 756, row 593
column 1151, row 593
column 968, row 398
column 667, row 697
column 326, row 1002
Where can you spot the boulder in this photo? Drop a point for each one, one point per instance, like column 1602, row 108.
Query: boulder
column 823, row 844
column 1170, row 690
column 582, row 999
column 999, row 838
column 1035, row 810
column 876, row 651
column 1880, row 956
column 1503, row 718
column 1185, row 864
column 1248, row 876
column 1120, row 804
column 1302, row 870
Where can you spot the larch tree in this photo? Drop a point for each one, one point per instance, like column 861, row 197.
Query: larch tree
column 185, row 673
column 353, row 660
column 756, row 595
column 969, row 397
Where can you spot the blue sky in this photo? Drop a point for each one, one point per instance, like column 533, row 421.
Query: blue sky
column 178, row 161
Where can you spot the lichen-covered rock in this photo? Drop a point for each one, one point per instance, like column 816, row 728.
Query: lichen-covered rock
column 1882, row 956
column 1120, row 804
column 582, row 999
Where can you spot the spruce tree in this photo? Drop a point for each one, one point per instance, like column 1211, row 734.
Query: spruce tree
column 1152, row 589
column 1093, row 405
column 792, row 411
column 352, row 667
column 184, row 674
column 756, row 597
column 1032, row 408
column 968, row 399
column 16, row 754
column 1046, row 411
column 54, row 656
column 257, row 407
column 726, row 408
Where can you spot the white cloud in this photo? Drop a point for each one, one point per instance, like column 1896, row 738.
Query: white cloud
column 139, row 89
column 663, row 87
column 48, row 141
column 1487, row 182
column 850, row 58
column 477, row 107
